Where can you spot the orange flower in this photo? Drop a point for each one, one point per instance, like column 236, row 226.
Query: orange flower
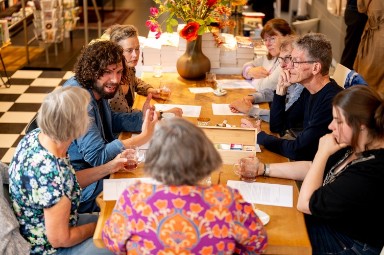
column 190, row 31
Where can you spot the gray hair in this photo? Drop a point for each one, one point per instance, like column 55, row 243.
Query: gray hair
column 318, row 48
column 180, row 154
column 63, row 115
column 120, row 32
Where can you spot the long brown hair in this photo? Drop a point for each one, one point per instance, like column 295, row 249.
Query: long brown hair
column 276, row 25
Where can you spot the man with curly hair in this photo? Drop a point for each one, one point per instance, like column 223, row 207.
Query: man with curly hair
column 100, row 69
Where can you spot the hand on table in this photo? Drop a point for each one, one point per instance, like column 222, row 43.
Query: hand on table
column 241, row 105
column 176, row 110
column 258, row 72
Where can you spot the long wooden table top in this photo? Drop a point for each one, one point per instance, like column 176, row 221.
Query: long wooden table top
column 286, row 229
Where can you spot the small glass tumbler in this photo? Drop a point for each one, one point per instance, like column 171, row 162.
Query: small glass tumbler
column 157, row 71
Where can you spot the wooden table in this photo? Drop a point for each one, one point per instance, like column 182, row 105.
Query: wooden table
column 286, row 230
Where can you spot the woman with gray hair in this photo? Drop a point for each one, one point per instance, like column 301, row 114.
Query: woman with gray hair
column 44, row 189
column 179, row 214
column 127, row 37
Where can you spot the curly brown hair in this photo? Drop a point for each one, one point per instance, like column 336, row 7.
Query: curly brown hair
column 94, row 60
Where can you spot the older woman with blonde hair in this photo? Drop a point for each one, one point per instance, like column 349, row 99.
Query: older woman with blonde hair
column 179, row 214
column 44, row 189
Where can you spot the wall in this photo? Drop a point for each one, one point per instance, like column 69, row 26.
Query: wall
column 333, row 26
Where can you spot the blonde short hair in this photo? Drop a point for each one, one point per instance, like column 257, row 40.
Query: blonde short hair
column 63, row 115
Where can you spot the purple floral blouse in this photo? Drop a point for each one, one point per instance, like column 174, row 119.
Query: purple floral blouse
column 160, row 219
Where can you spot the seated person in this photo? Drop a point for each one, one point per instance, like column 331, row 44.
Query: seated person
column 180, row 215
column 127, row 37
column 264, row 71
column 100, row 70
column 342, row 186
column 308, row 66
column 245, row 104
column 43, row 187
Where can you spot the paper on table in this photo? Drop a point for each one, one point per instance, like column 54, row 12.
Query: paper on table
column 201, row 90
column 112, row 188
column 234, row 84
column 188, row 110
column 264, row 193
column 223, row 109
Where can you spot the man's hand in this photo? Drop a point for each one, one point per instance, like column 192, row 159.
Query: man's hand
column 147, row 105
column 176, row 110
column 241, row 105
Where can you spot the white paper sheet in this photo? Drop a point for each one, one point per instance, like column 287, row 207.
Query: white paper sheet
column 112, row 188
column 188, row 110
column 234, row 84
column 199, row 90
column 264, row 193
column 223, row 109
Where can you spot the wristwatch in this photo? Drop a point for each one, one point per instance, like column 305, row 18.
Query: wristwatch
column 161, row 115
column 266, row 170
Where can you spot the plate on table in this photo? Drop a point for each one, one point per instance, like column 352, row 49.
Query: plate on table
column 263, row 216
column 220, row 92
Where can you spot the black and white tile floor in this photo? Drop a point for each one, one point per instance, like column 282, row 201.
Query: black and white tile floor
column 20, row 102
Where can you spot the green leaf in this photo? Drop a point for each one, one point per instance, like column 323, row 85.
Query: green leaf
column 173, row 22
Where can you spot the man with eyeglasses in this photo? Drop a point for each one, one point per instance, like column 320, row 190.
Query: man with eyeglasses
column 308, row 65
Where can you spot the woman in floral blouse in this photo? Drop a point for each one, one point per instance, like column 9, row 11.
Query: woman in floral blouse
column 179, row 215
column 127, row 37
column 44, row 189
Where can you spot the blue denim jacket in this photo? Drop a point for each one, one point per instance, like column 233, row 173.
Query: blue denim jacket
column 94, row 148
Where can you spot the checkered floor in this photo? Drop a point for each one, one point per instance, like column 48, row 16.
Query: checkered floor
column 20, row 102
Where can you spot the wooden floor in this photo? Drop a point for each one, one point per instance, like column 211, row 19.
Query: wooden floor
column 14, row 57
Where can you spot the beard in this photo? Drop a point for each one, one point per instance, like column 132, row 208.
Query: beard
column 101, row 90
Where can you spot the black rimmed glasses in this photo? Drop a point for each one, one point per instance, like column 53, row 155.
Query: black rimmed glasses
column 284, row 60
column 296, row 64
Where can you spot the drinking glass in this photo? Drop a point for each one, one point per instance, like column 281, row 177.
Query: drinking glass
column 131, row 153
column 247, row 169
column 165, row 92
column 210, row 80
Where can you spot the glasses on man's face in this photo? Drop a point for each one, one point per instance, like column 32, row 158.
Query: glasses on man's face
column 295, row 64
column 271, row 40
column 130, row 50
column 285, row 60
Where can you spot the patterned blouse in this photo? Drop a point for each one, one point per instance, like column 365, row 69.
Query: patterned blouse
column 160, row 219
column 38, row 180
column 119, row 102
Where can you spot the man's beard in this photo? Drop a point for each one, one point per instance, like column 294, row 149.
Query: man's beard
column 105, row 95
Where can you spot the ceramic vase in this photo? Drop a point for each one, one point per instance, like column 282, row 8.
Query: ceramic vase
column 193, row 64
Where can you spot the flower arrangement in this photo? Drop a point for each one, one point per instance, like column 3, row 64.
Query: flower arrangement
column 199, row 16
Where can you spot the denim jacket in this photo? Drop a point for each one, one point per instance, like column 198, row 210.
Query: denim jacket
column 99, row 145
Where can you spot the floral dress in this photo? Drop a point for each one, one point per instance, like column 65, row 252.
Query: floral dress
column 38, row 180
column 160, row 219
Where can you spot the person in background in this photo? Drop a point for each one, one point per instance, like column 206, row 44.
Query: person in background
column 245, row 105
column 127, row 37
column 355, row 22
column 309, row 65
column 179, row 215
column 371, row 49
column 264, row 72
column 100, row 69
column 43, row 187
column 342, row 189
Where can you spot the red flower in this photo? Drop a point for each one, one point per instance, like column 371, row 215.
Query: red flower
column 189, row 32
column 154, row 11
column 210, row 3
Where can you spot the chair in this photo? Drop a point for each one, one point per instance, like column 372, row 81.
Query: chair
column 31, row 125
column 306, row 26
column 346, row 77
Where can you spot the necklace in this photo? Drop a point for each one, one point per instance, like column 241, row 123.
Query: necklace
column 274, row 66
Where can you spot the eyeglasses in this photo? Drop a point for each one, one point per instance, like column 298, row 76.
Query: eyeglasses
column 296, row 64
column 284, row 60
column 130, row 50
column 271, row 39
